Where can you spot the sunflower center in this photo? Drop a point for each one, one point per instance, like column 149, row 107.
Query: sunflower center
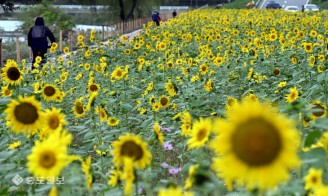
column 13, row 73
column 47, row 159
column 276, row 72
column 256, row 142
column 132, row 150
column 79, row 108
column 293, row 95
column 7, row 92
column 201, row 134
column 102, row 113
column 49, row 91
column 164, row 101
column 319, row 110
column 53, row 122
column 204, row 68
column 314, row 179
column 26, row 113
column 93, row 88
column 112, row 121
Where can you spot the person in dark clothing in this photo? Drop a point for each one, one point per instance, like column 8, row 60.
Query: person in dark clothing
column 156, row 18
column 37, row 39
column 174, row 14
column 303, row 8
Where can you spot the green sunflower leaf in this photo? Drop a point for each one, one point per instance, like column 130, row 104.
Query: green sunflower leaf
column 312, row 138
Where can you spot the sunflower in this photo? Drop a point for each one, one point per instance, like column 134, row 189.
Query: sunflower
column 159, row 135
column 208, row 86
column 80, row 38
column 14, row 145
column 170, row 89
column 250, row 73
column 54, row 121
column 200, row 133
column 52, row 50
column 156, row 106
column 49, row 92
column 114, row 177
column 320, row 191
column 131, row 146
column 313, row 179
column 320, row 68
column 294, row 60
column 308, row 47
column 102, row 114
column 118, row 73
column 38, row 59
column 87, row 66
column 136, row 46
column 186, row 124
column 231, row 102
column 92, row 87
column 24, row 115
column 319, row 110
column 174, row 191
column 251, row 97
column 255, row 142
column 128, row 175
column 170, row 64
column 190, row 180
column 292, row 96
column 282, row 84
column 63, row 76
column 203, row 69
column 276, row 71
column 86, row 165
column 91, row 100
column 11, row 73
column 164, row 101
column 113, row 121
column 49, row 157
column 78, row 108
column 53, row 191
column 162, row 45
column 66, row 50
column 5, row 91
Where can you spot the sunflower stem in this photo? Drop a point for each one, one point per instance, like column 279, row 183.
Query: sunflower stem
column 124, row 90
column 10, row 138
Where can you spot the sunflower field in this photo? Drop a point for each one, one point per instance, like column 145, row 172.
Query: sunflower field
column 212, row 102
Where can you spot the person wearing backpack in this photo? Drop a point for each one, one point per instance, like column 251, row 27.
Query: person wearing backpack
column 156, row 18
column 37, row 40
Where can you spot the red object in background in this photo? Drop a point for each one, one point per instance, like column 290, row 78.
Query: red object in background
column 250, row 4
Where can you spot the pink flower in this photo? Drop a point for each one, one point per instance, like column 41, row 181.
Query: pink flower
column 175, row 170
column 168, row 146
column 165, row 129
column 164, row 165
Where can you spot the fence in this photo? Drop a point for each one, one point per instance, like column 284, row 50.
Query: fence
column 69, row 38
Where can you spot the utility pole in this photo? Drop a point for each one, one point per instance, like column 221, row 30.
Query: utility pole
column 0, row 52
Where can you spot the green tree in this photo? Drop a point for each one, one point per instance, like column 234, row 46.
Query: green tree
column 130, row 9
column 9, row 5
column 54, row 18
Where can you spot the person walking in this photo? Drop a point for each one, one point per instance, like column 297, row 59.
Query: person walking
column 156, row 18
column 37, row 40
column 303, row 8
column 174, row 13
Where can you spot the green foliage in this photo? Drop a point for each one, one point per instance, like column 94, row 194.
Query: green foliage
column 323, row 4
column 54, row 18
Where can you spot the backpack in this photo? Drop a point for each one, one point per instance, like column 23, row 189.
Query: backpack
column 155, row 17
column 38, row 32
